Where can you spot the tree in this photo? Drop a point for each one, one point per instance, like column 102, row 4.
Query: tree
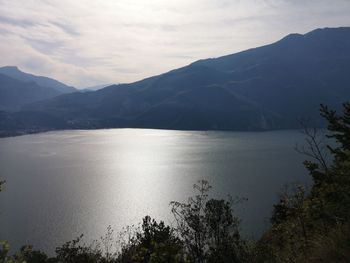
column 1, row 185
column 75, row 252
column 25, row 255
column 223, row 238
column 307, row 225
column 208, row 228
column 190, row 219
column 155, row 243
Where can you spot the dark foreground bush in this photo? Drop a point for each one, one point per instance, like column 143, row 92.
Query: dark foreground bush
column 206, row 231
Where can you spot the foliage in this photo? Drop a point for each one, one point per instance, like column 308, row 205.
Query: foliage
column 25, row 255
column 307, row 226
column 155, row 243
column 208, row 228
column 74, row 252
column 1, row 185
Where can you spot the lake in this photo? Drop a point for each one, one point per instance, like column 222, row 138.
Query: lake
column 62, row 184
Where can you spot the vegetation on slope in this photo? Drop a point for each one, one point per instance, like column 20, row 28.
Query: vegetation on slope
column 315, row 227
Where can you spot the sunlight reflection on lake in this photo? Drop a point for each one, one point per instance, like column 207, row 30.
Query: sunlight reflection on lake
column 62, row 184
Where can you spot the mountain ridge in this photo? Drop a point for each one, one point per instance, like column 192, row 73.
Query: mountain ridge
column 15, row 93
column 16, row 73
column 263, row 88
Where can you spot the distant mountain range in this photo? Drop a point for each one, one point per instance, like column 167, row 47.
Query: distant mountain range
column 18, row 88
column 269, row 87
column 15, row 93
column 96, row 87
column 15, row 73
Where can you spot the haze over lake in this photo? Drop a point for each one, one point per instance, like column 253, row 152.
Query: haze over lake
column 62, row 184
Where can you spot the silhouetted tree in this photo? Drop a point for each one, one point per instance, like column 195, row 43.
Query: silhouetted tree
column 306, row 225
column 155, row 243
column 208, row 228
column 1, row 185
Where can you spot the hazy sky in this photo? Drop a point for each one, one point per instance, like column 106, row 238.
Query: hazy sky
column 89, row 42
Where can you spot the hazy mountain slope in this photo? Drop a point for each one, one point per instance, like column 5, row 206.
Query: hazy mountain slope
column 293, row 76
column 184, row 94
column 15, row 73
column 96, row 87
column 208, row 107
column 14, row 93
column 269, row 87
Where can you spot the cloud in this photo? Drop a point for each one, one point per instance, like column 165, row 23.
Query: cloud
column 17, row 22
column 69, row 29
column 88, row 42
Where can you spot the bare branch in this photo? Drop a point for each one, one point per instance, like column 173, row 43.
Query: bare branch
column 316, row 147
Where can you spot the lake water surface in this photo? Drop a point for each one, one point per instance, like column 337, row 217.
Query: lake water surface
column 62, row 184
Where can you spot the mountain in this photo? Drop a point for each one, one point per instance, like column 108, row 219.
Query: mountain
column 15, row 73
column 269, row 87
column 96, row 87
column 14, row 93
